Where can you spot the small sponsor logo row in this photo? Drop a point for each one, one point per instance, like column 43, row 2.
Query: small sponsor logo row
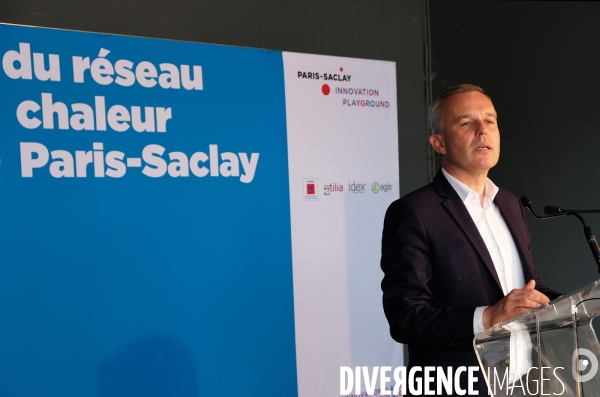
column 311, row 189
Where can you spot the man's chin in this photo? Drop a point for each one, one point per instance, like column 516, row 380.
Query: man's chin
column 486, row 163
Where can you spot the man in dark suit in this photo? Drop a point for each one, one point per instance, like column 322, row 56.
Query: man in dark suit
column 457, row 253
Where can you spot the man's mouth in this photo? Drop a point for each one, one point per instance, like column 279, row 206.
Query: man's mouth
column 483, row 146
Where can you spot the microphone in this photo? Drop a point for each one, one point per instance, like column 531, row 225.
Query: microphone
column 553, row 210
column 527, row 204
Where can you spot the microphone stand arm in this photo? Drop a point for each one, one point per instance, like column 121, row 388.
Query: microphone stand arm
column 589, row 236
column 553, row 212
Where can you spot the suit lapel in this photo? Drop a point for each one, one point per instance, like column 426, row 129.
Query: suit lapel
column 513, row 219
column 456, row 208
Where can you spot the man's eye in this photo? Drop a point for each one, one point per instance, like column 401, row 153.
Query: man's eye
column 466, row 123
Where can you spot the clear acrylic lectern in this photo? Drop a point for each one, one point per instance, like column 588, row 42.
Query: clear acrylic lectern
column 551, row 350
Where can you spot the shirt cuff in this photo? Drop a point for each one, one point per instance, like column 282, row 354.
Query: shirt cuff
column 478, row 320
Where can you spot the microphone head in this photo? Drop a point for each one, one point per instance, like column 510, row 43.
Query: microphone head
column 526, row 202
column 552, row 210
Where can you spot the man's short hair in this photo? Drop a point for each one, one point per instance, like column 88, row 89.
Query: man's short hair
column 435, row 111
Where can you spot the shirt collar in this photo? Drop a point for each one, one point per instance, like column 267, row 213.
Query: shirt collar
column 489, row 190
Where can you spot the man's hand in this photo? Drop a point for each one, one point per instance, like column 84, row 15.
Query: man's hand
column 518, row 301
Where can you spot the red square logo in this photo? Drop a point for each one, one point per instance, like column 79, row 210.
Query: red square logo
column 310, row 188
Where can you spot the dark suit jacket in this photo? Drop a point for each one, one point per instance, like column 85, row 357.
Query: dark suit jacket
column 438, row 270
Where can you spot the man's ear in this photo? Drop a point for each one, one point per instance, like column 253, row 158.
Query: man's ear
column 438, row 143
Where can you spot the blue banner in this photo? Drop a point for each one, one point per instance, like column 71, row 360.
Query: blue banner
column 144, row 218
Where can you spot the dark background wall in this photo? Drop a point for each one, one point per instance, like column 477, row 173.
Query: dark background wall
column 386, row 30
column 539, row 61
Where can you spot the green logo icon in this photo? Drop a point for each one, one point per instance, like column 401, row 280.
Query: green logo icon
column 375, row 187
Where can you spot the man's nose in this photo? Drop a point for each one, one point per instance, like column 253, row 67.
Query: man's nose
column 482, row 127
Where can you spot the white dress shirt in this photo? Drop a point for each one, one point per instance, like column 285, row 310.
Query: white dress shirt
column 495, row 235
column 502, row 249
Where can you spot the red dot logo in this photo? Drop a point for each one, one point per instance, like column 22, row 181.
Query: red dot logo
column 326, row 90
column 341, row 69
